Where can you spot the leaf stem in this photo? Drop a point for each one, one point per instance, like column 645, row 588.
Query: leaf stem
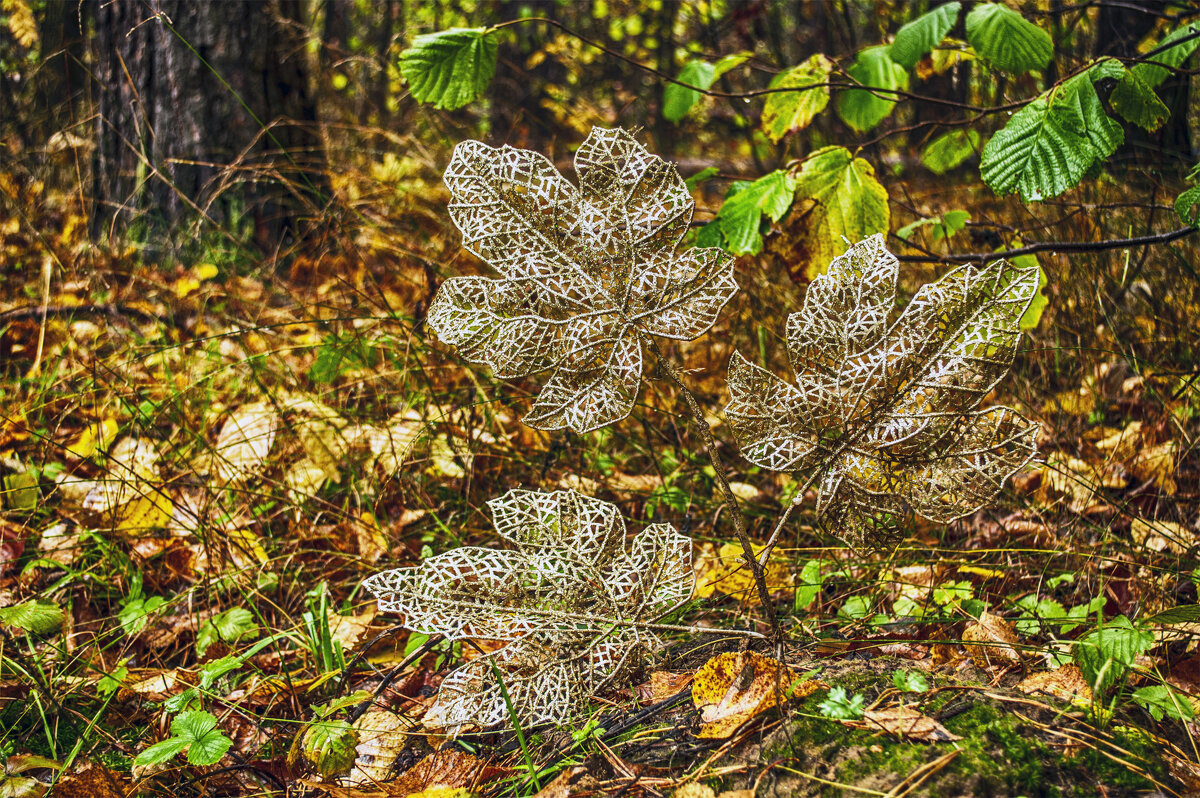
column 714, row 457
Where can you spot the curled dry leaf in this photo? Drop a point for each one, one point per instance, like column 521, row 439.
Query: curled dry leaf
column 1162, row 536
column 1066, row 684
column 663, row 685
column 382, row 736
column 571, row 606
column 448, row 767
column 586, row 272
column 906, row 723
column 733, row 687
column 886, row 419
column 991, row 641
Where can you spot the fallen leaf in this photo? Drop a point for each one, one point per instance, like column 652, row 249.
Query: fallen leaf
column 244, row 442
column 445, row 768
column 1162, row 536
column 1065, row 683
column 1157, row 464
column 89, row 779
column 1122, row 444
column 733, row 687
column 350, row 629
column 991, row 641
column 725, row 571
column 663, row 685
column 94, row 438
column 571, row 781
column 381, row 738
column 907, row 723
column 61, row 543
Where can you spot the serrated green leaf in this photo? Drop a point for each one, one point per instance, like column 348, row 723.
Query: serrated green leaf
column 135, row 612
column 918, row 37
column 198, row 730
column 37, row 617
column 1186, row 613
column 731, row 61
column 1049, row 145
column 1161, row 701
column 787, row 112
column 1106, row 654
column 701, row 176
column 678, row 100
column 873, row 67
column 1187, row 206
column 848, row 203
column 329, row 746
column 160, row 752
column 450, row 68
column 1033, row 314
column 741, row 213
column 1006, row 40
column 230, row 626
column 1137, row 102
column 1155, row 71
column 950, row 149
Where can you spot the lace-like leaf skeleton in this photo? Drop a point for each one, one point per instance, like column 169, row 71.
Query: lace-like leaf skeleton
column 885, row 419
column 585, row 272
column 571, row 605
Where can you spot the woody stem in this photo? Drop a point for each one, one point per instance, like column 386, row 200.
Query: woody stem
column 714, row 457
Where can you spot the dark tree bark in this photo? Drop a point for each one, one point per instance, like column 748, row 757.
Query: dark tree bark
column 175, row 144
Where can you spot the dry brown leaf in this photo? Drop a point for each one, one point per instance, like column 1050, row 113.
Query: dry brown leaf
column 149, row 684
column 991, row 641
column 725, row 571
column 571, row 781
column 88, row 779
column 350, row 629
column 1162, row 536
column 907, row 723
column 663, row 685
column 694, row 790
column 1122, row 444
column 1065, row 683
column 61, row 544
column 445, row 768
column 733, row 687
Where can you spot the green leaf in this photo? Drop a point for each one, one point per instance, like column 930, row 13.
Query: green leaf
column 847, row 201
column 1186, row 613
column 329, row 746
column 731, row 61
column 1137, row 102
column 1004, row 39
column 1155, row 71
column 160, row 752
column 1161, row 701
column 229, row 627
column 788, row 111
column 809, row 584
column 910, row 681
column 35, row 616
column 450, row 68
column 135, row 612
column 1033, row 313
column 1049, row 145
column 1187, row 206
column 678, row 100
column 211, row 671
column 198, row 730
column 855, row 607
column 919, row 37
column 110, row 683
column 841, row 706
column 950, row 223
column 701, row 176
column 873, row 67
column 950, row 149
column 1106, row 654
column 745, row 203
column 20, row 491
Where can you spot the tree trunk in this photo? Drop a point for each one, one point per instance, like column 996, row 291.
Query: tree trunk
column 184, row 92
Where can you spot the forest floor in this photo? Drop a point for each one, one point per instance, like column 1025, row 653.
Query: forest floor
column 201, row 464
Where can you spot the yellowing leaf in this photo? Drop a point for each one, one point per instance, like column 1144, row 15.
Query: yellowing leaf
column 303, row 479
column 788, row 111
column 153, row 510
column 725, row 571
column 326, row 445
column 733, row 687
column 845, row 202
column 244, row 442
column 206, row 271
column 94, row 438
column 1157, row 464
column 184, row 286
column 442, row 460
column 245, row 549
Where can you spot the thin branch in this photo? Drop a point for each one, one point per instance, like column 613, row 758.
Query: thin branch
column 1052, row 246
column 714, row 457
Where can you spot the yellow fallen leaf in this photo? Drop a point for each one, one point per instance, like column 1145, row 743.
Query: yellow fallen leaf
column 184, row 286
column 725, row 571
column 1157, row 464
column 325, row 445
column 245, row 549
column 153, row 510
column 206, row 271
column 991, row 641
column 1123, row 444
column 442, row 460
column 1162, row 536
column 733, row 687
column 303, row 479
column 350, row 629
column 94, row 438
